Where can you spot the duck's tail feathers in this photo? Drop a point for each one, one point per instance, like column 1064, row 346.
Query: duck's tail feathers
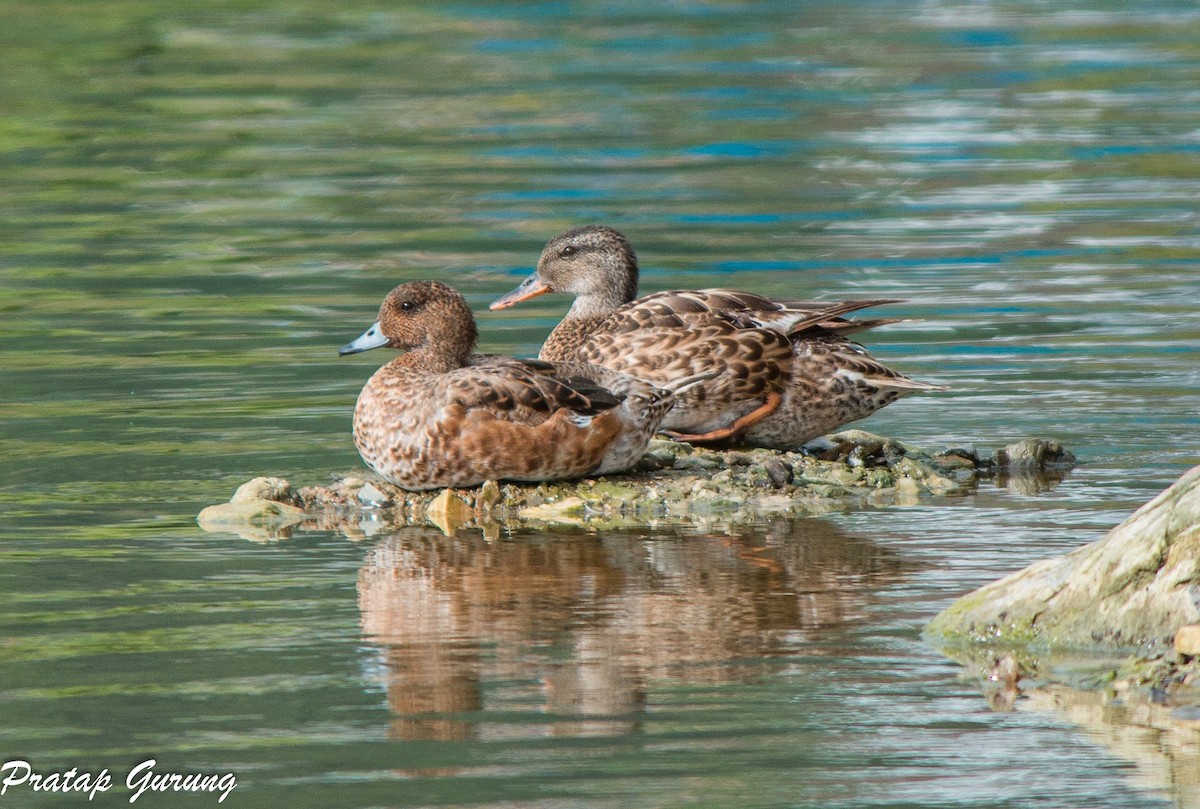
column 829, row 317
column 904, row 383
column 840, row 326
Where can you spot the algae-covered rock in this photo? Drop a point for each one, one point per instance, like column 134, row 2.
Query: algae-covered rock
column 675, row 481
column 1034, row 453
column 568, row 510
column 273, row 490
column 261, row 509
column 1132, row 589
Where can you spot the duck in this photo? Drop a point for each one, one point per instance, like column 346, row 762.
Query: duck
column 782, row 373
column 440, row 416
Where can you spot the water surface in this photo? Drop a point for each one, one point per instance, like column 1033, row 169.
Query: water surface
column 201, row 203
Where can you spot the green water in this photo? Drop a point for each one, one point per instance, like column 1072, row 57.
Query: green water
column 200, row 202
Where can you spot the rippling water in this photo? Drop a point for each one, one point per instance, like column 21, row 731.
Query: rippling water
column 202, row 202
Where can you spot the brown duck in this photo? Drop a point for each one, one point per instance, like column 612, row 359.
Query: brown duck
column 440, row 416
column 782, row 373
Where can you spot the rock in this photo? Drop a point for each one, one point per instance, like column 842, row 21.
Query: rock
column 908, row 491
column 568, row 510
column 863, row 454
column 1187, row 640
column 489, row 495
column 448, row 511
column 912, row 468
column 779, row 472
column 1034, row 454
column 696, row 463
column 938, row 484
column 957, row 459
column 675, row 481
column 847, row 440
column 260, row 510
column 964, row 451
column 276, row 489
column 739, row 458
column 1129, row 590
column 608, row 490
column 370, row 496
column 659, row 455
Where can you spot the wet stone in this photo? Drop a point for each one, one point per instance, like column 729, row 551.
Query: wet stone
column 674, row 481
column 1187, row 640
column 369, row 495
column 489, row 494
column 780, row 473
column 1187, row 713
column 1034, row 454
column 276, row 490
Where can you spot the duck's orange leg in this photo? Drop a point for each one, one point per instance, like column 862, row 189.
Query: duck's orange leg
column 749, row 420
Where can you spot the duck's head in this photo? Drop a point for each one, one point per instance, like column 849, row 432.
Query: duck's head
column 421, row 315
column 594, row 263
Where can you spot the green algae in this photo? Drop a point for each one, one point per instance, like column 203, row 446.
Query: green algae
column 675, row 482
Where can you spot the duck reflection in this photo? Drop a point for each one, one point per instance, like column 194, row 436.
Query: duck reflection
column 574, row 626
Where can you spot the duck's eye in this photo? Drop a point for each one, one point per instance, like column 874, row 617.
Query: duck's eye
column 407, row 306
column 568, row 251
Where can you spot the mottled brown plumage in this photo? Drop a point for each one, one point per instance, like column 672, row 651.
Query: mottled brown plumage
column 782, row 371
column 439, row 415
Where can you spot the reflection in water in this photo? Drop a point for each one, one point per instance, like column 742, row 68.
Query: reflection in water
column 577, row 626
column 1031, row 482
column 1164, row 751
column 201, row 198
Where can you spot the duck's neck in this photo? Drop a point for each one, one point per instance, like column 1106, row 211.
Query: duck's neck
column 436, row 357
column 568, row 336
column 589, row 310
column 611, row 286
column 598, row 304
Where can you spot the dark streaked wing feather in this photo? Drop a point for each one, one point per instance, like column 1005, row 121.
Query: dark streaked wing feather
column 748, row 310
column 526, row 385
column 743, row 363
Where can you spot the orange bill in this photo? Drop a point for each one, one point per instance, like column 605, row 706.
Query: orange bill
column 531, row 287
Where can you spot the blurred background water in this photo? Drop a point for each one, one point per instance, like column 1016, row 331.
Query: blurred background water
column 201, row 202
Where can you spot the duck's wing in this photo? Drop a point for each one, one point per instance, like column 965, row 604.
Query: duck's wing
column 525, row 390
column 662, row 345
column 839, row 325
column 751, row 310
column 829, row 354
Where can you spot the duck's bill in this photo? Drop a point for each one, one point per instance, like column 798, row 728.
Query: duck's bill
column 371, row 338
column 531, row 287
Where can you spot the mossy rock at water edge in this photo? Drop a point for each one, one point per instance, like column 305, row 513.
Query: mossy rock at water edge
column 1130, row 601
column 674, row 482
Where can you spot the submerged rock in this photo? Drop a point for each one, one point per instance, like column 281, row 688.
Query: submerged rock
column 673, row 482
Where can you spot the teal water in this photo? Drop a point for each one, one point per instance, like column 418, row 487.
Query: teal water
column 200, row 203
